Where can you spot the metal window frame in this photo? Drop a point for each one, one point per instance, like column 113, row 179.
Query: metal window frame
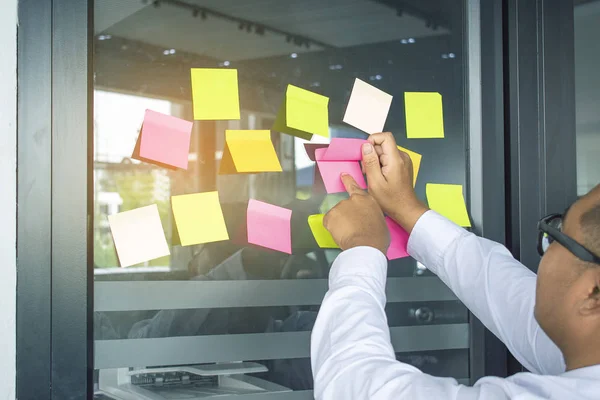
column 540, row 113
column 55, row 270
column 541, row 118
column 486, row 158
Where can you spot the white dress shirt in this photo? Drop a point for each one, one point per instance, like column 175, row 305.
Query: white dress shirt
column 353, row 358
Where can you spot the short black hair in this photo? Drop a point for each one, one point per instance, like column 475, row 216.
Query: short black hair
column 590, row 226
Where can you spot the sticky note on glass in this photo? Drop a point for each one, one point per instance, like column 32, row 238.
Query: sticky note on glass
column 331, row 172
column 398, row 240
column 164, row 140
column 311, row 147
column 368, row 107
column 269, row 226
column 199, row 218
column 416, row 162
column 344, row 149
column 424, row 115
column 321, row 235
column 302, row 114
column 249, row 152
column 215, row 94
column 448, row 200
column 138, row 235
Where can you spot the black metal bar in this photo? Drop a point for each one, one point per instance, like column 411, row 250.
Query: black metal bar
column 72, row 272
column 301, row 39
column 493, row 153
column 524, row 127
column 559, row 169
column 486, row 158
column 541, row 117
column 34, row 200
column 540, row 114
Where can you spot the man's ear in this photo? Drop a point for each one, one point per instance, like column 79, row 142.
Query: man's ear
column 591, row 303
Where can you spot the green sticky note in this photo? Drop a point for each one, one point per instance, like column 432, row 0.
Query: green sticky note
column 448, row 200
column 215, row 94
column 322, row 235
column 302, row 114
column 424, row 115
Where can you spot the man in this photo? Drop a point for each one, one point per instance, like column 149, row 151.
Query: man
column 553, row 328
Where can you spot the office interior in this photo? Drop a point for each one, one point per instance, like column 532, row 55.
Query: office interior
column 229, row 320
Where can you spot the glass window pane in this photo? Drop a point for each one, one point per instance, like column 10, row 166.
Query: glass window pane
column 587, row 94
column 228, row 317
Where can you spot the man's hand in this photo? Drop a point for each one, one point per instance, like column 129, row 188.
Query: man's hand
column 357, row 221
column 390, row 178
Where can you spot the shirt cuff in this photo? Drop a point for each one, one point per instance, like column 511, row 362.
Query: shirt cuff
column 430, row 237
column 362, row 261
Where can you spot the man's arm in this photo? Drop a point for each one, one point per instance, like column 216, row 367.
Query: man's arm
column 498, row 289
column 351, row 353
column 493, row 285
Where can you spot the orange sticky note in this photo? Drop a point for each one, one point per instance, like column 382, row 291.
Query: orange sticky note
column 199, row 218
column 416, row 162
column 248, row 152
column 138, row 235
column 164, row 140
column 424, row 115
column 215, row 94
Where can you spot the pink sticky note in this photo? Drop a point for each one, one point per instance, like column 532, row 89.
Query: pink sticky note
column 269, row 226
column 398, row 240
column 331, row 172
column 164, row 139
column 311, row 147
column 344, row 149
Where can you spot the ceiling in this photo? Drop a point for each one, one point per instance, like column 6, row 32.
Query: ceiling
column 327, row 24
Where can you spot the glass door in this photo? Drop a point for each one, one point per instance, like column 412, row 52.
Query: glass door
column 229, row 318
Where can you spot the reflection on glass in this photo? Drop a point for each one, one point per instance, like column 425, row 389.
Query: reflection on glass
column 587, row 94
column 143, row 53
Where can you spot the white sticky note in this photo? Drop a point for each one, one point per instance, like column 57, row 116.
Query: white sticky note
column 368, row 107
column 138, row 235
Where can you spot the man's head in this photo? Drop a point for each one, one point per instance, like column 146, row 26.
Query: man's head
column 568, row 289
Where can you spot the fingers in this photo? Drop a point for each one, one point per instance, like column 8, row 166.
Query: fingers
column 385, row 140
column 371, row 164
column 351, row 185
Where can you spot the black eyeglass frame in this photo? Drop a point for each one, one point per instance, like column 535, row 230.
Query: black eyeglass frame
column 567, row 242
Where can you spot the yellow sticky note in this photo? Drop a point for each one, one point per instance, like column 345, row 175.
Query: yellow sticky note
column 303, row 113
column 448, row 200
column 416, row 162
column 248, row 152
column 199, row 218
column 322, row 235
column 215, row 94
column 424, row 115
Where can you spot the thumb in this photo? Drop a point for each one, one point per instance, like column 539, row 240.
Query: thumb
column 371, row 164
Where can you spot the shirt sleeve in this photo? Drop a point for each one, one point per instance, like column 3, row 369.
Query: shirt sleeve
column 351, row 353
column 498, row 289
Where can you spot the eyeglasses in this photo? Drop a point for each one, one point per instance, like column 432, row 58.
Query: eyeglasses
column 550, row 228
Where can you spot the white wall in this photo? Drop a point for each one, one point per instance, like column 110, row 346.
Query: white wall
column 8, row 196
